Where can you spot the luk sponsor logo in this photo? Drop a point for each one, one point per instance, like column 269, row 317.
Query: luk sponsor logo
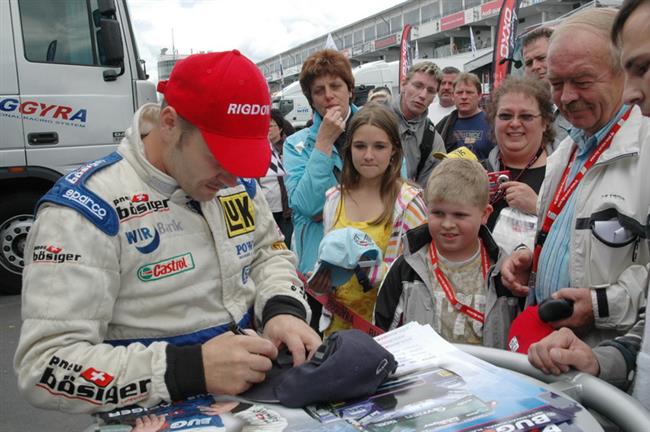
column 166, row 268
column 86, row 201
column 53, row 254
column 138, row 205
column 239, row 214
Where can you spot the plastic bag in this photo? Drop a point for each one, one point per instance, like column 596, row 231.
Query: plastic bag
column 513, row 228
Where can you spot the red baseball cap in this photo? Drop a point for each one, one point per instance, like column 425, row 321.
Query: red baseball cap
column 527, row 329
column 225, row 95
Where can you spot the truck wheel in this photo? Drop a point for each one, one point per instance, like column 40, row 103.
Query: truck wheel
column 16, row 218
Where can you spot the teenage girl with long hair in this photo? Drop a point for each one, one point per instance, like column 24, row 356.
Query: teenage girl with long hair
column 374, row 198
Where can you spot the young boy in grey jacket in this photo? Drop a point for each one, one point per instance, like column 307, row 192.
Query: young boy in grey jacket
column 447, row 276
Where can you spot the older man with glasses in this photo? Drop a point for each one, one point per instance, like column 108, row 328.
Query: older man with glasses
column 591, row 249
column 617, row 360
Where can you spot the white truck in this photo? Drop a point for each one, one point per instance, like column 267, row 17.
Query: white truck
column 293, row 105
column 70, row 81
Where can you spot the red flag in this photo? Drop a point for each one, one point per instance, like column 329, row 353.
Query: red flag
column 405, row 59
column 99, row 378
column 504, row 43
column 141, row 197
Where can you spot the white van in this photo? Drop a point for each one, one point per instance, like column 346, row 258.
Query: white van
column 70, row 81
column 375, row 74
column 293, row 105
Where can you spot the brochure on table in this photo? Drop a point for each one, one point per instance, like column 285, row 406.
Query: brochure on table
column 436, row 387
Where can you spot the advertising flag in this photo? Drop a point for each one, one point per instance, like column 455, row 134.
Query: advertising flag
column 330, row 44
column 405, row 59
column 472, row 42
column 504, row 43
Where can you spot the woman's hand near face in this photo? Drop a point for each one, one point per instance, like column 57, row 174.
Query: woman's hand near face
column 520, row 196
column 332, row 126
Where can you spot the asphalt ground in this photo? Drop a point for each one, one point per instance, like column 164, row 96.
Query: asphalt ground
column 16, row 415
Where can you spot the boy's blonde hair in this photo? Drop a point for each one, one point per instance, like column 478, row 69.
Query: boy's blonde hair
column 460, row 181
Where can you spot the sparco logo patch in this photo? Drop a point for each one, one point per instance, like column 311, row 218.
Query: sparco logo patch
column 166, row 268
column 91, row 385
column 85, row 201
column 53, row 254
column 138, row 205
column 238, row 213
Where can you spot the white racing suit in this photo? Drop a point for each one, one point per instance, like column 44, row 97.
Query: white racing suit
column 125, row 277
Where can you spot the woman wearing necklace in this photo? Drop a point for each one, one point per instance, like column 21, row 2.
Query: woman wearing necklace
column 521, row 114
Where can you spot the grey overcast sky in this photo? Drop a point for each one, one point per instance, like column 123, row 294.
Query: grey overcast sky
column 259, row 29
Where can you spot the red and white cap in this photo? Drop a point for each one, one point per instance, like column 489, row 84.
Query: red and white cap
column 527, row 329
column 226, row 97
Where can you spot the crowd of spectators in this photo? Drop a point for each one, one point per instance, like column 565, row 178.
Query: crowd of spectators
column 478, row 215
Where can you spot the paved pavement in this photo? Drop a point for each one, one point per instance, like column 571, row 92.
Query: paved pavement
column 16, row 415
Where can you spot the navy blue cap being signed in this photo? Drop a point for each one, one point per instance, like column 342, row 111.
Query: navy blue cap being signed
column 350, row 364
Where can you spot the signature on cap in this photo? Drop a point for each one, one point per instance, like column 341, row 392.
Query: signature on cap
column 382, row 365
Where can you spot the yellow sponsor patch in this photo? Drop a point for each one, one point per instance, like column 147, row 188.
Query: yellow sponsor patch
column 239, row 214
column 279, row 245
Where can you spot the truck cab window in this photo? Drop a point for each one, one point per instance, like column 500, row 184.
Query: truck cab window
column 60, row 32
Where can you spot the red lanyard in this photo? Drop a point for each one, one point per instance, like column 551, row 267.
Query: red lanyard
column 563, row 192
column 449, row 290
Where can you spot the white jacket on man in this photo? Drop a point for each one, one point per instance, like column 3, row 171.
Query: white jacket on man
column 101, row 303
column 618, row 184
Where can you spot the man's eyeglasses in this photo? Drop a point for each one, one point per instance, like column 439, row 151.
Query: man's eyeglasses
column 525, row 117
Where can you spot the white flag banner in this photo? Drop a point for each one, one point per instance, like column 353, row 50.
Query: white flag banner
column 472, row 42
column 417, row 51
column 330, row 44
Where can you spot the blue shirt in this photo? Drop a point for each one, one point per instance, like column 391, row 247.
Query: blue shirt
column 553, row 268
column 474, row 133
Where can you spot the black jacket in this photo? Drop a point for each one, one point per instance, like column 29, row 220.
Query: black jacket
column 445, row 128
